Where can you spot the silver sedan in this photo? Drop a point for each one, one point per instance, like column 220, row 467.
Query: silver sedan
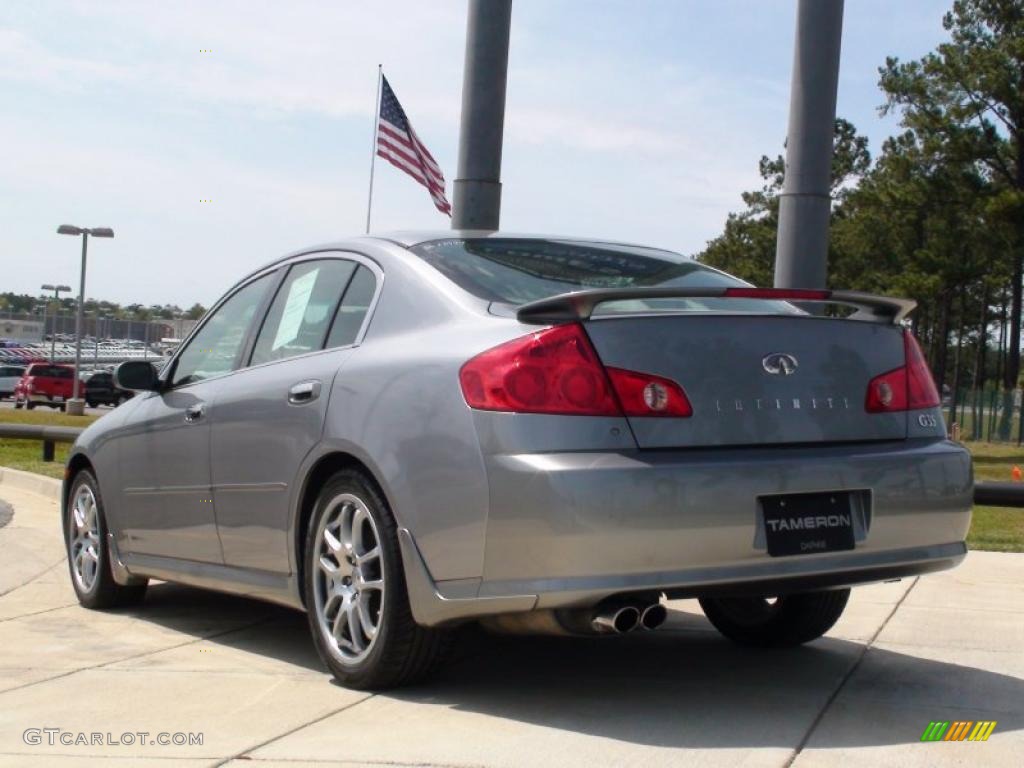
column 403, row 433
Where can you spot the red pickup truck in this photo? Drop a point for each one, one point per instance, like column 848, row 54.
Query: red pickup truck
column 44, row 384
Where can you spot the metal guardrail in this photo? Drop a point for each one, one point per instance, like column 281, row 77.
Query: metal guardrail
column 50, row 436
column 999, row 494
column 985, row 493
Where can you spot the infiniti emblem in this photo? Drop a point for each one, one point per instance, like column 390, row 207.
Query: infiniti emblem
column 779, row 363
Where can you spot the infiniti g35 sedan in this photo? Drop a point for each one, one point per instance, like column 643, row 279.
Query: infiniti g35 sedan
column 403, row 433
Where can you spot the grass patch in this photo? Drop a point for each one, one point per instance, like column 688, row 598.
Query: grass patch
column 27, row 455
column 45, row 416
column 996, row 529
column 995, row 461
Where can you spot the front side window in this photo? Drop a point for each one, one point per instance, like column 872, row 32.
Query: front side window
column 298, row 319
column 215, row 347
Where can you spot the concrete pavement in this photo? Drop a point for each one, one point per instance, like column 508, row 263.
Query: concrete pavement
column 245, row 675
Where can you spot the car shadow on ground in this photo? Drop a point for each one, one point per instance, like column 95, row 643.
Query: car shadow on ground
column 682, row 686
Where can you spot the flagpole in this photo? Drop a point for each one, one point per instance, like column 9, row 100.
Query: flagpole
column 373, row 147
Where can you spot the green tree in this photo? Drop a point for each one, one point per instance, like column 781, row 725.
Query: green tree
column 966, row 101
column 746, row 247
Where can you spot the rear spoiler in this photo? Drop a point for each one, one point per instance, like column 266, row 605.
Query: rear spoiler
column 580, row 305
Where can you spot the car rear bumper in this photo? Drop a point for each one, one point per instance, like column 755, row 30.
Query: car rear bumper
column 571, row 528
column 36, row 397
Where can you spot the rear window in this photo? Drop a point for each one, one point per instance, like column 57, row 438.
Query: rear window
column 518, row 271
column 51, row 371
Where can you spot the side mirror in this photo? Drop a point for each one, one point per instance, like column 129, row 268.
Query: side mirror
column 136, row 375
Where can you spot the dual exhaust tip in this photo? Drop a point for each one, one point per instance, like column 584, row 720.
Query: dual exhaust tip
column 618, row 618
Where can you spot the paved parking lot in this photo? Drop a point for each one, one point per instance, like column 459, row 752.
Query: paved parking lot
column 245, row 675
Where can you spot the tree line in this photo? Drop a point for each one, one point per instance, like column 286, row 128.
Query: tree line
column 23, row 303
column 939, row 215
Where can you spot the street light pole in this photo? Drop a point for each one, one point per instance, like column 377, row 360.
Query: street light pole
column 75, row 405
column 476, row 194
column 57, row 289
column 801, row 251
column 78, row 328
column 46, row 300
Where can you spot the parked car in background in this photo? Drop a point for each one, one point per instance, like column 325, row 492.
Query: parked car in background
column 101, row 390
column 9, row 375
column 44, row 384
column 402, row 433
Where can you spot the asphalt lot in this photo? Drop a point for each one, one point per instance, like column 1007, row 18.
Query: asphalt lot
column 245, row 675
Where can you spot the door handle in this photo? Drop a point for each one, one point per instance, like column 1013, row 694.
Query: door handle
column 303, row 392
column 195, row 413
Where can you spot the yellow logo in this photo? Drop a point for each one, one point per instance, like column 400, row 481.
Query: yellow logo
column 958, row 730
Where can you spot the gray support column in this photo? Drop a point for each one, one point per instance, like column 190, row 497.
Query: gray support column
column 801, row 258
column 477, row 191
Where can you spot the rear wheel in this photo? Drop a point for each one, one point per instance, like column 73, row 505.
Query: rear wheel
column 91, row 403
column 85, row 536
column 18, row 404
column 30, row 405
column 355, row 591
column 779, row 622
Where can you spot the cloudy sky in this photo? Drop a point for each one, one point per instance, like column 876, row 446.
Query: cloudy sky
column 638, row 120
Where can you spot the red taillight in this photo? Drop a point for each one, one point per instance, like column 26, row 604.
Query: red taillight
column 643, row 394
column 909, row 388
column 551, row 371
column 557, row 371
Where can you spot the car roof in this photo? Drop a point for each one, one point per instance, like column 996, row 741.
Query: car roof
column 409, row 238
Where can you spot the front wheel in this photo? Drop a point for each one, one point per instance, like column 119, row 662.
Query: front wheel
column 18, row 404
column 355, row 591
column 779, row 622
column 29, row 405
column 85, row 535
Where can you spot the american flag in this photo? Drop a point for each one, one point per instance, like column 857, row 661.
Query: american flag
column 398, row 143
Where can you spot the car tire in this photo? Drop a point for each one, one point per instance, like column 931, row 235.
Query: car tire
column 18, row 405
column 29, row 405
column 360, row 654
column 788, row 621
column 91, row 403
column 85, row 541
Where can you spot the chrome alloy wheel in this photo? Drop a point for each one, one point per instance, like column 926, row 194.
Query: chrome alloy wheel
column 84, row 538
column 348, row 587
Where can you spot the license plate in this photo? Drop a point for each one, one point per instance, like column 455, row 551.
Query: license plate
column 58, row 398
column 805, row 523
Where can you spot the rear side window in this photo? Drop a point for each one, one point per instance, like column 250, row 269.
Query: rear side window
column 353, row 308
column 51, row 371
column 518, row 271
column 301, row 314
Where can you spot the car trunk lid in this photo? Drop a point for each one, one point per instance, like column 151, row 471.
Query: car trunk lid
column 756, row 379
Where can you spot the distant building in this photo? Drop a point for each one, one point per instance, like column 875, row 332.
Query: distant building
column 21, row 330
